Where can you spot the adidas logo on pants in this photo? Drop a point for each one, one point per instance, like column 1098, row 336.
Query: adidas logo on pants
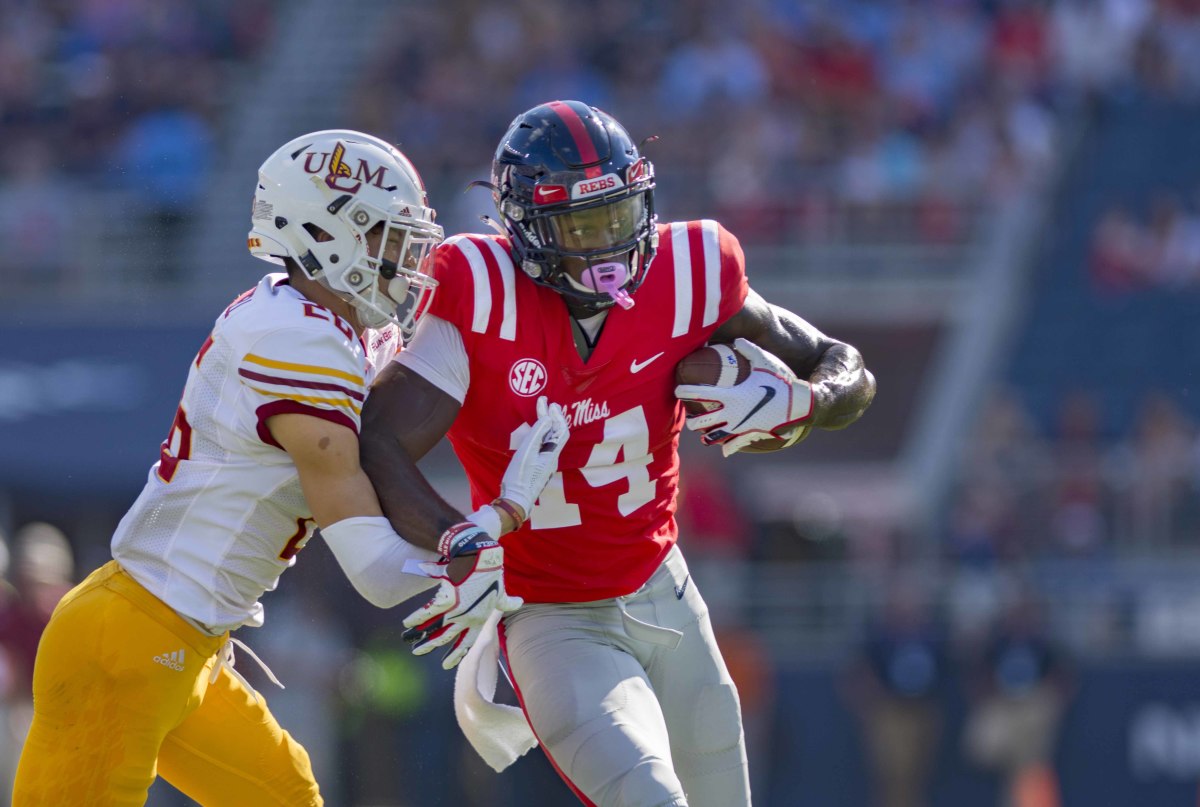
column 173, row 661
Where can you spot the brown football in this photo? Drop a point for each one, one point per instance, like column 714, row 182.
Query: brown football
column 704, row 367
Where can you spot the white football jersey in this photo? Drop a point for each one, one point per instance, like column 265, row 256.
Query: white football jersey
column 222, row 514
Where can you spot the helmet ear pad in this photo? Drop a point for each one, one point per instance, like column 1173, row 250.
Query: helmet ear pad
column 330, row 252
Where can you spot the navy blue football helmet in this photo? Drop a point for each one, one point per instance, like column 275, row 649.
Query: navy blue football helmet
column 568, row 182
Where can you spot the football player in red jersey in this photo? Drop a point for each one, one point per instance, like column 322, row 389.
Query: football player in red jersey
column 589, row 300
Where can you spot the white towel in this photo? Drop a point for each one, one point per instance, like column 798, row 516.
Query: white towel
column 498, row 732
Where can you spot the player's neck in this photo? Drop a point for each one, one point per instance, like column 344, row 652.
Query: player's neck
column 586, row 327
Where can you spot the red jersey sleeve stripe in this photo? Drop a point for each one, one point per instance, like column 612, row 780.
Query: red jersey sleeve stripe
column 681, row 255
column 732, row 274
column 480, row 283
column 269, row 410
column 508, row 288
column 710, row 238
column 698, row 273
column 295, row 382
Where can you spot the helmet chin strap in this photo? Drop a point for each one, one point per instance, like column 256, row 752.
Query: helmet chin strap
column 608, row 278
column 373, row 308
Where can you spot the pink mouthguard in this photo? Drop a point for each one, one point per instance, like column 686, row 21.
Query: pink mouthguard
column 608, row 278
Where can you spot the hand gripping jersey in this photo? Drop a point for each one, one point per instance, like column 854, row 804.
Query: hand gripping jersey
column 222, row 513
column 607, row 519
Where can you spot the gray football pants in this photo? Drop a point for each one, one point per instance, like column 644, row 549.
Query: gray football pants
column 630, row 698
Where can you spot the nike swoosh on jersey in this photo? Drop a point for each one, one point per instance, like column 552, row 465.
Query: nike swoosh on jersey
column 682, row 587
column 637, row 366
column 768, row 394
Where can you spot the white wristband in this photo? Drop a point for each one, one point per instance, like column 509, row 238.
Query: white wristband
column 372, row 556
column 487, row 519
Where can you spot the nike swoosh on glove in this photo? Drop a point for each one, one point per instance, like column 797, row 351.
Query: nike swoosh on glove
column 768, row 403
column 456, row 614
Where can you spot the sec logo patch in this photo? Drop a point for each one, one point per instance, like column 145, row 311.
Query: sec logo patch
column 527, row 377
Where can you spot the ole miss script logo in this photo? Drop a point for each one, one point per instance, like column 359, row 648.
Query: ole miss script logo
column 527, row 377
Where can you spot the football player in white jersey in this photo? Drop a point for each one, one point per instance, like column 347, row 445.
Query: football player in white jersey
column 134, row 675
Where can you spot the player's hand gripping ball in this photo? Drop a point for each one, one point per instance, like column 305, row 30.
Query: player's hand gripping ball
column 727, row 371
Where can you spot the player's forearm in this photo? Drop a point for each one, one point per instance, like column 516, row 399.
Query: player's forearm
column 413, row 507
column 374, row 559
column 842, row 387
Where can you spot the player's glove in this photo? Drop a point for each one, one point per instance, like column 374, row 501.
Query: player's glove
column 536, row 459
column 770, row 402
column 456, row 613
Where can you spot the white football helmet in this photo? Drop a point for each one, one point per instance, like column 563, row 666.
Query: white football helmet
column 343, row 183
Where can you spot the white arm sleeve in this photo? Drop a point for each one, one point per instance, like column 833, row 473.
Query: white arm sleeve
column 436, row 353
column 372, row 555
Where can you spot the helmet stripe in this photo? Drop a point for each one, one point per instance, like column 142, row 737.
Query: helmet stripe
column 579, row 133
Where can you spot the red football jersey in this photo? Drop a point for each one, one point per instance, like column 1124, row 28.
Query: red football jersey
column 607, row 518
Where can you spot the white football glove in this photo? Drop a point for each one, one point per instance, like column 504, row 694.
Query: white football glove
column 456, row 614
column 536, row 459
column 771, row 402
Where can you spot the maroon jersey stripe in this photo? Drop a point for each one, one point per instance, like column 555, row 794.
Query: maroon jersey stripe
column 269, row 410
column 294, row 382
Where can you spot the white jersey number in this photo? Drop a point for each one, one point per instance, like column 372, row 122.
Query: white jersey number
column 626, row 435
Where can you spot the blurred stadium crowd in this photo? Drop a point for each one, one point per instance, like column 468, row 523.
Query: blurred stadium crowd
column 767, row 113
column 772, row 116
column 110, row 94
column 792, row 123
column 1154, row 247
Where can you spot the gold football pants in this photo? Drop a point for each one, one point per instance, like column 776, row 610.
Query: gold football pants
column 121, row 694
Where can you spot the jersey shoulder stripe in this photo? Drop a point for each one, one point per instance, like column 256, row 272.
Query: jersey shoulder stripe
column 503, row 262
column 284, row 381
column 344, row 403
column 293, row 356
column 297, row 367
column 710, row 246
column 709, row 275
column 487, row 302
column 324, row 387
column 682, row 269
